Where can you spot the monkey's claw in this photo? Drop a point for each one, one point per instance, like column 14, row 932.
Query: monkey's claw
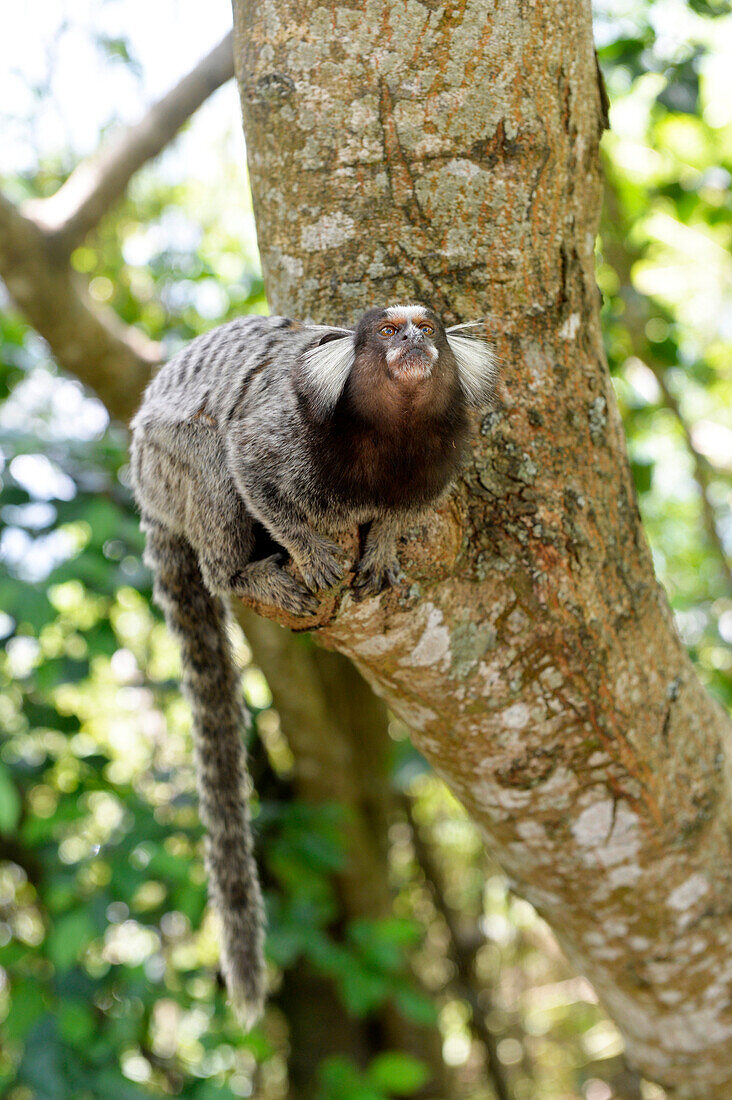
column 321, row 568
column 266, row 581
column 372, row 577
column 296, row 598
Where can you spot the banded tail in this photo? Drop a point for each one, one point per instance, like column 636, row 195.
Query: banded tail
column 210, row 682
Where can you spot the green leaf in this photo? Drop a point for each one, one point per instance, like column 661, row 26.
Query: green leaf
column 165, row 865
column 340, row 1080
column 10, row 802
column 285, row 944
column 40, row 713
column 76, row 1022
column 26, row 604
column 27, row 1006
column 61, row 670
column 398, row 1073
column 382, row 943
column 326, row 955
column 322, row 853
column 69, row 936
column 415, row 1006
column 362, row 990
column 642, row 474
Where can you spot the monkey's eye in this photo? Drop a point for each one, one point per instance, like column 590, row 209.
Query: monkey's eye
column 387, row 330
column 426, row 329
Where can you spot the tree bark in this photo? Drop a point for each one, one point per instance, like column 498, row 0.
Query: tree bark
column 114, row 359
column 448, row 154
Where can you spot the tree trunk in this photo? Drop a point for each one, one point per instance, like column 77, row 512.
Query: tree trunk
column 448, row 154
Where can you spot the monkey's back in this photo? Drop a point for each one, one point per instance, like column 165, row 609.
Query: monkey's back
column 180, row 468
column 212, row 376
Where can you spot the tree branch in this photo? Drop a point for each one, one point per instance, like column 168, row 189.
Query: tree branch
column 702, row 473
column 90, row 341
column 97, row 183
column 621, row 256
column 86, row 339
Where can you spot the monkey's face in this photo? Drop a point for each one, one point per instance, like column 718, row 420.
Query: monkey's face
column 406, row 340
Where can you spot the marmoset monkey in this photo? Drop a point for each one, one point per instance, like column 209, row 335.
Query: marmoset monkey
column 254, row 443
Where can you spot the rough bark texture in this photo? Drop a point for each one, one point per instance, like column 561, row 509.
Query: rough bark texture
column 448, row 154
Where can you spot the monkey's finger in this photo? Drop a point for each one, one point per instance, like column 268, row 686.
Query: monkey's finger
column 323, row 573
column 394, row 574
column 296, row 599
column 368, row 583
column 371, row 579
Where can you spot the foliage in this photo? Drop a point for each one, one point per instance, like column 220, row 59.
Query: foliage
column 666, row 274
column 108, row 982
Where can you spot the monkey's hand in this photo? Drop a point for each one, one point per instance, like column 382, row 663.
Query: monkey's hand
column 318, row 562
column 373, row 576
column 266, row 581
column 379, row 565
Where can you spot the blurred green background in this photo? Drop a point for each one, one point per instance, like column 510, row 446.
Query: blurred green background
column 108, row 983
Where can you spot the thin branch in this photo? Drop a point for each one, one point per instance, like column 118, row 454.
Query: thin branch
column 86, row 339
column 621, row 257
column 462, row 956
column 97, row 183
column 702, row 474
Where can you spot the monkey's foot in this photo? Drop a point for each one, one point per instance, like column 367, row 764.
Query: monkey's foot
column 266, row 581
column 319, row 565
column 373, row 576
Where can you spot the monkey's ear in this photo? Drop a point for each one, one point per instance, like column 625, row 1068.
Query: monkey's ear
column 325, row 367
column 478, row 368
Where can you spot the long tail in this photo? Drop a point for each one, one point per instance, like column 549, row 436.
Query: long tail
column 199, row 620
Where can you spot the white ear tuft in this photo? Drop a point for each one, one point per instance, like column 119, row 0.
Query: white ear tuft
column 327, row 366
column 477, row 364
column 466, row 324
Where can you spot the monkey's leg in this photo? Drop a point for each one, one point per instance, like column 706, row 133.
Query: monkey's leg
column 379, row 564
column 203, row 502
column 227, row 568
column 226, row 573
column 268, row 582
column 313, row 554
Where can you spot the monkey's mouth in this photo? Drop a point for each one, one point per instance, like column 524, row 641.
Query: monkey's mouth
column 412, row 363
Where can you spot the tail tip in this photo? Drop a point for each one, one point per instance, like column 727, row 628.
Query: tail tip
column 244, row 977
column 247, row 1010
